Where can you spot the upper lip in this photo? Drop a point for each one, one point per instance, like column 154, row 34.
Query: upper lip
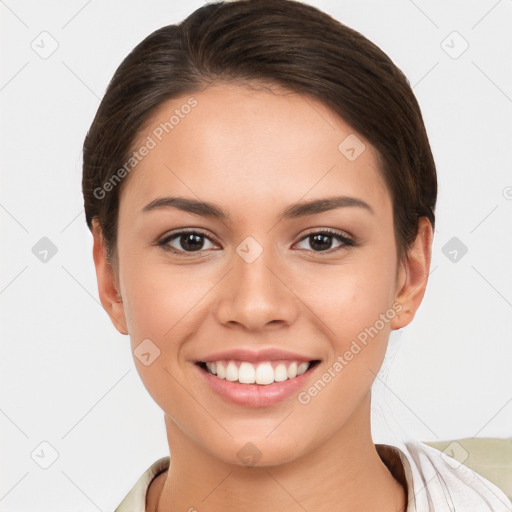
column 266, row 354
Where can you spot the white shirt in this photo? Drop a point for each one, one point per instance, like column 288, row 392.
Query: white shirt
column 435, row 482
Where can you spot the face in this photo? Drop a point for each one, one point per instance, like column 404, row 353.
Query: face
column 271, row 274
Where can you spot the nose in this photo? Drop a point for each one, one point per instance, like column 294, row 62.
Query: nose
column 256, row 296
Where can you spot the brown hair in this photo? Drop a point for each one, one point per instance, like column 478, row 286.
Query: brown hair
column 281, row 42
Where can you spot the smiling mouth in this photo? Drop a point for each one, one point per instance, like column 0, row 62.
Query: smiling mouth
column 262, row 373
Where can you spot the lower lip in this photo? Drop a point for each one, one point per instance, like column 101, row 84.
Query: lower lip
column 256, row 395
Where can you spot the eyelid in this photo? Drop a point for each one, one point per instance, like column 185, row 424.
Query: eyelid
column 338, row 232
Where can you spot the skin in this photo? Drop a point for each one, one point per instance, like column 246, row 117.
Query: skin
column 254, row 152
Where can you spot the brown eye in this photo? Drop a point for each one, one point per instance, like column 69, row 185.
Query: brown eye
column 185, row 242
column 322, row 241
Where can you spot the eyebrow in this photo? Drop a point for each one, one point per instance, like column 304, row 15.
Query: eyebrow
column 294, row 211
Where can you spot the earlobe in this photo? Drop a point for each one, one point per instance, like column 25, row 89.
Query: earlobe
column 413, row 275
column 110, row 297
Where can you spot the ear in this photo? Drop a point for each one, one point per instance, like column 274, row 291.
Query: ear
column 413, row 275
column 107, row 282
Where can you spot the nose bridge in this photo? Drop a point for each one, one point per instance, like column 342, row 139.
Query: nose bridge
column 254, row 294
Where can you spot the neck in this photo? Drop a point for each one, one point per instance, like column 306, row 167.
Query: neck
column 344, row 473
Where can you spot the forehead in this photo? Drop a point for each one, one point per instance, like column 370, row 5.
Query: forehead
column 239, row 145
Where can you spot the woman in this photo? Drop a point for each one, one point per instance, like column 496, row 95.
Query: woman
column 261, row 192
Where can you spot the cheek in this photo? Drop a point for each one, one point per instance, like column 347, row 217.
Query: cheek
column 351, row 298
column 355, row 308
column 165, row 304
column 152, row 298
column 161, row 306
column 157, row 297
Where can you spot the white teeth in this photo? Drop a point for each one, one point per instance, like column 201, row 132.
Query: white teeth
column 232, row 372
column 263, row 373
column 292, row 370
column 280, row 373
column 246, row 373
column 302, row 368
column 221, row 370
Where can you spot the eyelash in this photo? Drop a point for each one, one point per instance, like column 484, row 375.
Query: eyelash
column 345, row 240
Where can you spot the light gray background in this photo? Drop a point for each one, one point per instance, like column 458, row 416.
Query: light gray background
column 68, row 378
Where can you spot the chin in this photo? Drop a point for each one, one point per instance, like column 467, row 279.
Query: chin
column 256, row 451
